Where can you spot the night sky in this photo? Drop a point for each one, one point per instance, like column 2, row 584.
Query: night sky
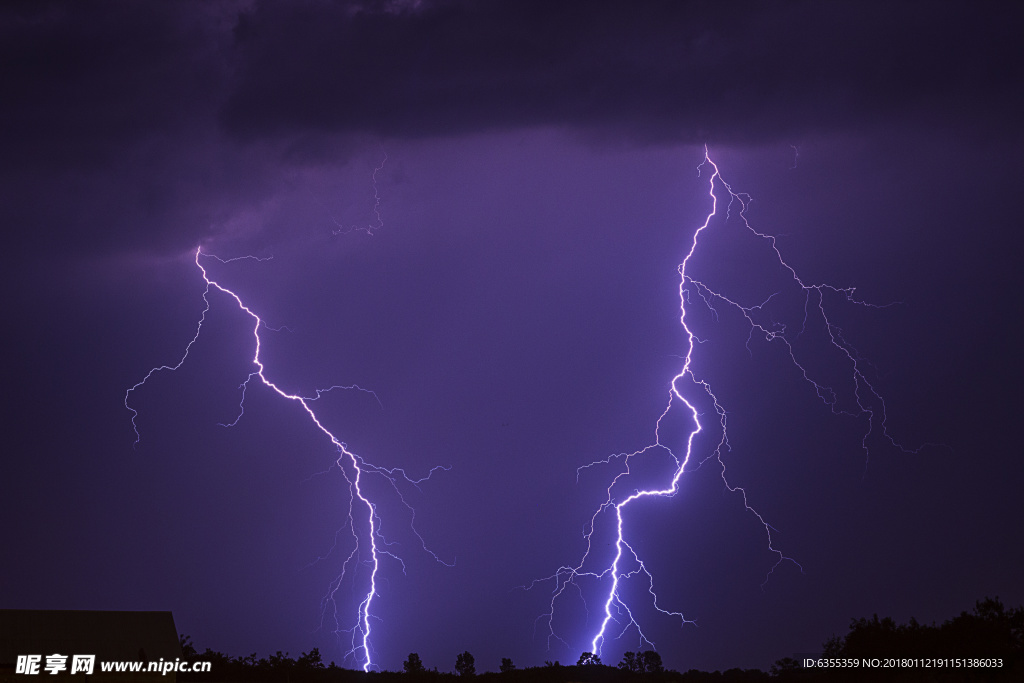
column 476, row 210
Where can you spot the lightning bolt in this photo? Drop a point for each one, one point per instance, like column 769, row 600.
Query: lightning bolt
column 353, row 467
column 379, row 223
column 686, row 391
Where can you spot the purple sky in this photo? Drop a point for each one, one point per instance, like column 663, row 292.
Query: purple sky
column 516, row 313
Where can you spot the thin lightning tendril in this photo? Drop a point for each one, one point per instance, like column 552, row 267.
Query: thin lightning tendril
column 352, row 466
column 379, row 223
column 867, row 403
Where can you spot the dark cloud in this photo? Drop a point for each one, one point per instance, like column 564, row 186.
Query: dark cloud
column 650, row 70
column 83, row 80
column 108, row 124
column 140, row 126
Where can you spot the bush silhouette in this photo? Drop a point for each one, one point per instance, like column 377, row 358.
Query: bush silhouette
column 465, row 665
column 413, row 665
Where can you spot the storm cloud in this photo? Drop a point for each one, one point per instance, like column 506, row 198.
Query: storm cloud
column 119, row 118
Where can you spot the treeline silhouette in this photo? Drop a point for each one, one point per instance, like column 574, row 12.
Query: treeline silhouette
column 882, row 650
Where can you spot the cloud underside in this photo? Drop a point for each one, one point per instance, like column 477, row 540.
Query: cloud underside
column 652, row 71
column 173, row 101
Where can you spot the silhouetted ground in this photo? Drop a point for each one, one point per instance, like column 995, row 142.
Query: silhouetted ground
column 874, row 649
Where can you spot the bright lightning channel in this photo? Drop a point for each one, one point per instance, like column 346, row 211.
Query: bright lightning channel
column 685, row 389
column 352, row 466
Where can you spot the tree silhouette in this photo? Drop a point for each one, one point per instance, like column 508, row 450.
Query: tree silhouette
column 465, row 665
column 310, row 660
column 507, row 665
column 588, row 659
column 187, row 648
column 642, row 662
column 413, row 665
column 630, row 662
column 783, row 667
column 650, row 662
column 990, row 630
